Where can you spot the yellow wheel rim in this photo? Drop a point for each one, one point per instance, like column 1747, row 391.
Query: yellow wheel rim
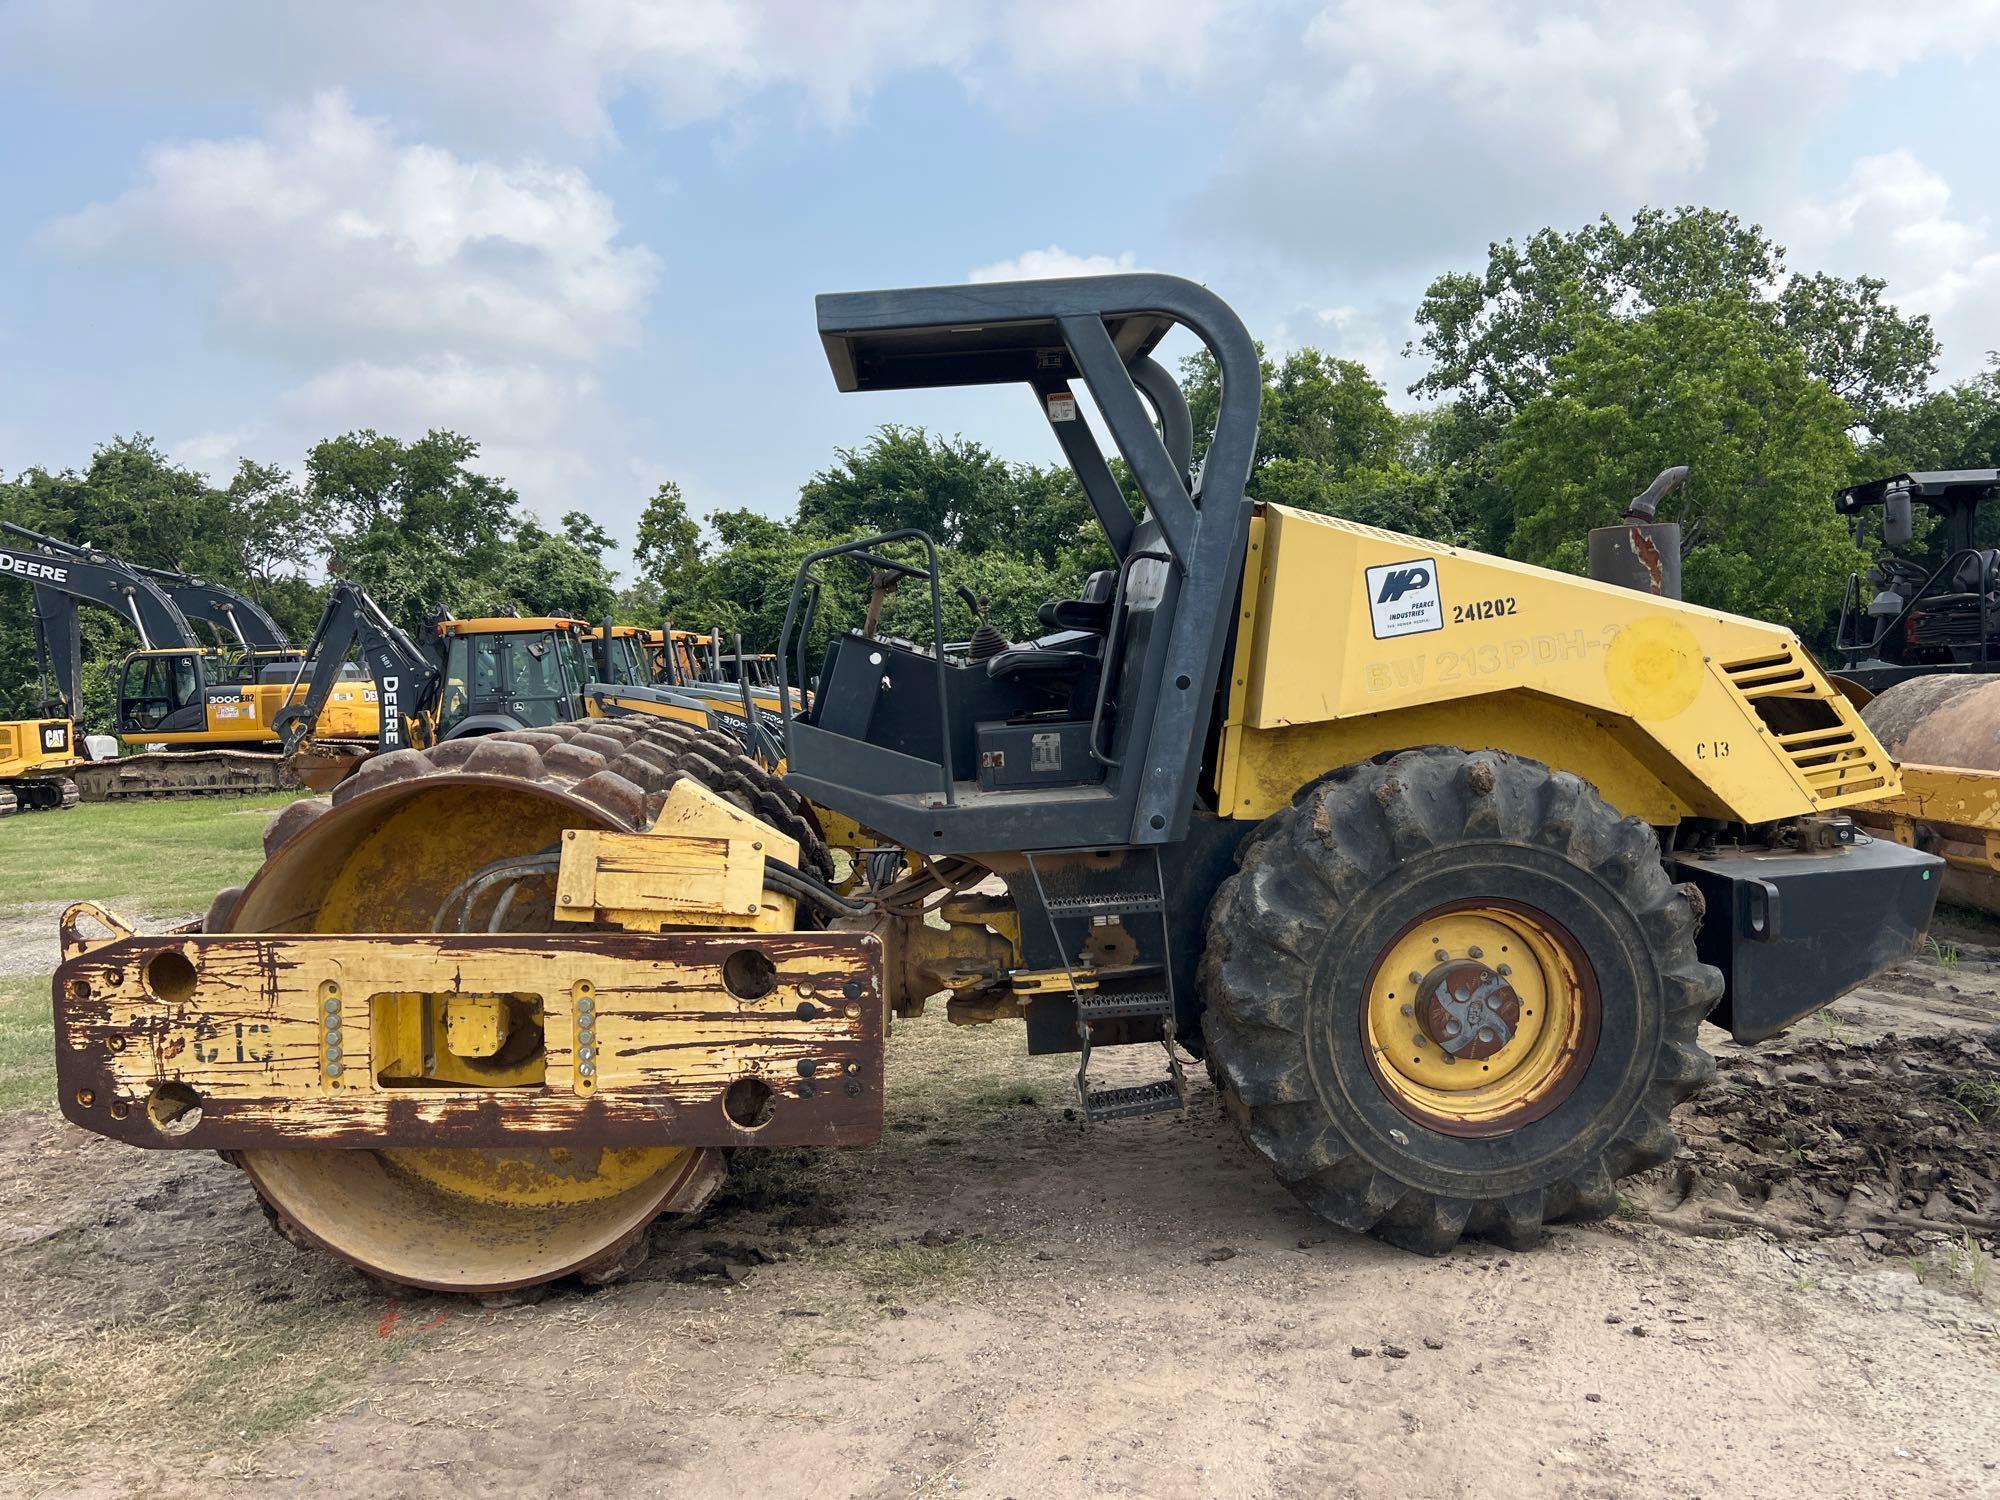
column 1481, row 1017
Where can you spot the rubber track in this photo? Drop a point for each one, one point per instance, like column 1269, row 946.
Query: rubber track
column 26, row 795
column 1307, row 863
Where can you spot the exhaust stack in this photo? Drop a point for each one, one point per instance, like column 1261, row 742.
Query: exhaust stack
column 1639, row 552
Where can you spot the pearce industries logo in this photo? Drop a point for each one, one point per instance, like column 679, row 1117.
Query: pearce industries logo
column 1403, row 598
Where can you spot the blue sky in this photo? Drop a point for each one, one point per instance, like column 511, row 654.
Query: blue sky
column 588, row 233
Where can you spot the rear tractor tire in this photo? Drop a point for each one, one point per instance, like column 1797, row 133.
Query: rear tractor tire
column 1454, row 993
column 390, row 851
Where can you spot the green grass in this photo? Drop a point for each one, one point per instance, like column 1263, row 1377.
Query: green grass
column 27, row 1044
column 1979, row 1098
column 158, row 859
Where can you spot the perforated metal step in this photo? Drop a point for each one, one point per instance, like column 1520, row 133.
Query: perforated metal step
column 1139, row 1099
column 1097, row 1005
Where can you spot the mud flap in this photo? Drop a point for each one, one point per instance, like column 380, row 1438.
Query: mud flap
column 1792, row 931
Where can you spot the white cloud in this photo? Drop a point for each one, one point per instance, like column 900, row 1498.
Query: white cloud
column 329, row 234
column 1414, row 132
column 1040, row 265
column 1894, row 217
column 405, row 287
column 533, row 422
column 494, row 70
column 1372, row 333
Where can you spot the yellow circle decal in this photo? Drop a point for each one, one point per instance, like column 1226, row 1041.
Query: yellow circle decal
column 1654, row 668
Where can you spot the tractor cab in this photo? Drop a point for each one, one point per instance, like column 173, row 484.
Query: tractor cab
column 1931, row 601
column 1093, row 731
column 621, row 659
column 505, row 672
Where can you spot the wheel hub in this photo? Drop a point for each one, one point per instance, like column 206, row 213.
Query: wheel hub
column 1481, row 1017
column 1468, row 1009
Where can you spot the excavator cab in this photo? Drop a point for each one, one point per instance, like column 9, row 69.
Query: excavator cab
column 163, row 692
column 621, row 658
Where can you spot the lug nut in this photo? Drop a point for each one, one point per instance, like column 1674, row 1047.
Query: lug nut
column 333, row 1007
column 1475, row 952
column 1415, row 977
column 333, row 1070
column 1505, row 970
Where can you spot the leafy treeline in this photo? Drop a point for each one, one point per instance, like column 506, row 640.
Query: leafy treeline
column 411, row 522
column 1563, row 375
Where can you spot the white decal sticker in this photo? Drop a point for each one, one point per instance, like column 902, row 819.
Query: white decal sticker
column 1403, row 598
column 1062, row 406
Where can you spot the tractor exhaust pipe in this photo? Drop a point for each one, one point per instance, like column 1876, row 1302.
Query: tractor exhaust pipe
column 1641, row 553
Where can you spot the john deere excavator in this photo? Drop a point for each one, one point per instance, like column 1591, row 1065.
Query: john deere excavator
column 193, row 716
column 1438, row 861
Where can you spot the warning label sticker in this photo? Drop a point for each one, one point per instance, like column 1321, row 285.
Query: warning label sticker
column 1062, row 406
column 1403, row 598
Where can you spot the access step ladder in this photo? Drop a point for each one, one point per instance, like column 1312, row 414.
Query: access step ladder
column 1071, row 918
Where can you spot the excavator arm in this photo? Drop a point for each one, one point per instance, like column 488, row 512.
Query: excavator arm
column 223, row 608
column 406, row 681
column 214, row 604
column 64, row 578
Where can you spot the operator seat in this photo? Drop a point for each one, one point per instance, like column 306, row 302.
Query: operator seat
column 1075, row 642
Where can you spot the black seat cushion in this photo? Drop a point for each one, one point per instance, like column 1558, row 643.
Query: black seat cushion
column 1091, row 612
column 1972, row 573
column 1039, row 661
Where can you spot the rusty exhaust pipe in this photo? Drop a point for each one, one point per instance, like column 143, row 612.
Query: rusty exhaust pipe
column 1641, row 553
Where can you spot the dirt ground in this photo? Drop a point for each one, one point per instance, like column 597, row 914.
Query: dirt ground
column 995, row 1302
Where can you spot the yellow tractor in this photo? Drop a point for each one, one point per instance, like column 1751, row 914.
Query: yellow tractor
column 1437, row 861
column 36, row 757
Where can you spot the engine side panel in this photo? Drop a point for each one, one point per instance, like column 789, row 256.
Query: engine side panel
column 1353, row 641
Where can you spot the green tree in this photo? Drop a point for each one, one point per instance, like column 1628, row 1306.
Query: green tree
column 1955, row 428
column 1714, row 385
column 670, row 559
column 412, row 522
column 901, row 479
column 1494, row 336
column 1328, row 441
column 543, row 574
column 583, row 533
